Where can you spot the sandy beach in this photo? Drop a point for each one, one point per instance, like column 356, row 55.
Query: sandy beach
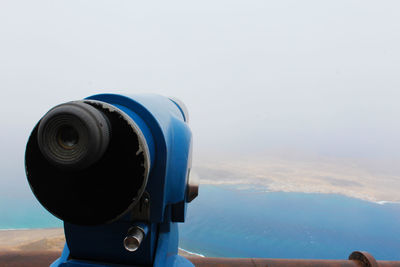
column 32, row 240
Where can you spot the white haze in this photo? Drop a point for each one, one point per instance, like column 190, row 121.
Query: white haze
column 315, row 78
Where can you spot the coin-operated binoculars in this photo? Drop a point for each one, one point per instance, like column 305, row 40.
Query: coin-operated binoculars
column 115, row 169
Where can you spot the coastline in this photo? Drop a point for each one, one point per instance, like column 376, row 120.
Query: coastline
column 302, row 176
column 261, row 188
column 51, row 239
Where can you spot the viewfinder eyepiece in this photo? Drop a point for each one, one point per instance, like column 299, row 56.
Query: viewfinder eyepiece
column 74, row 135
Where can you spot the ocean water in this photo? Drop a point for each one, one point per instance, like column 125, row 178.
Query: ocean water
column 25, row 212
column 226, row 221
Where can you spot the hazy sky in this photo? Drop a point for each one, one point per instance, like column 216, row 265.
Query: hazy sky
column 316, row 77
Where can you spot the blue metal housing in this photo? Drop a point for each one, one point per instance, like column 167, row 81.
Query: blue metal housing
column 168, row 138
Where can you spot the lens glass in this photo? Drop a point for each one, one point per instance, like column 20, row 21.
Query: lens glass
column 67, row 137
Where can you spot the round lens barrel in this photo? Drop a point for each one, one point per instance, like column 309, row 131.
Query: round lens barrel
column 87, row 162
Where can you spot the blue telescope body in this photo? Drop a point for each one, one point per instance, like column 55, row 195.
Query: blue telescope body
column 116, row 170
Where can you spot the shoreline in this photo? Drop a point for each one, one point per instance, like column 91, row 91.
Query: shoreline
column 240, row 186
column 349, row 177
column 20, row 229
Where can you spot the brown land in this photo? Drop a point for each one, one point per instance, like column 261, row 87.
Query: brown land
column 329, row 176
column 32, row 240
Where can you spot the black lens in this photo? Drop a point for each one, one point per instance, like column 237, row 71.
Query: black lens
column 67, row 137
column 73, row 136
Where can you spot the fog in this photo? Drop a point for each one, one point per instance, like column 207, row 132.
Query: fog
column 284, row 77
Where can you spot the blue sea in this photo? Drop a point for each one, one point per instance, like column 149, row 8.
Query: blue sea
column 227, row 221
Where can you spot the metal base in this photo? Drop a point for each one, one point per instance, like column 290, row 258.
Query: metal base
column 63, row 261
column 166, row 253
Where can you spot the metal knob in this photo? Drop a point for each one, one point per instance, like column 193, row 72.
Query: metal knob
column 134, row 238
